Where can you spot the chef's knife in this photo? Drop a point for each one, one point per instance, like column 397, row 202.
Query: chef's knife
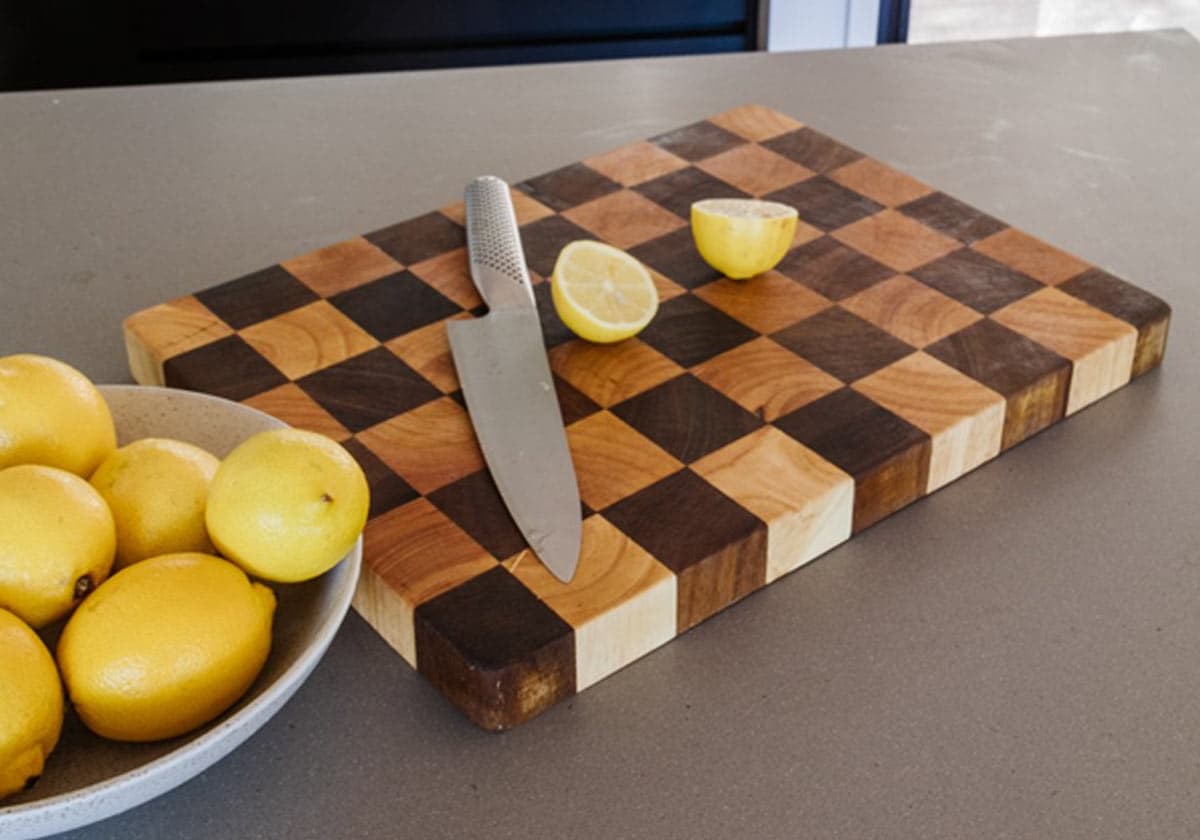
column 505, row 375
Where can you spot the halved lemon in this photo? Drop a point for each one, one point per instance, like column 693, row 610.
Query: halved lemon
column 601, row 293
column 742, row 237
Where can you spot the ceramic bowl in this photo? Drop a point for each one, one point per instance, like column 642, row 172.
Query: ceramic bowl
column 88, row 778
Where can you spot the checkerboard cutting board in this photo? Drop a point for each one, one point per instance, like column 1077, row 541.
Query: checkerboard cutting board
column 905, row 339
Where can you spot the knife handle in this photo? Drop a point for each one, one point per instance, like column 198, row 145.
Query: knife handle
column 494, row 246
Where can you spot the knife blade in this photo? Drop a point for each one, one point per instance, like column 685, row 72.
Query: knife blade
column 505, row 375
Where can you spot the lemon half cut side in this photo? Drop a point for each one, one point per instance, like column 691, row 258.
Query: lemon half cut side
column 601, row 293
column 742, row 237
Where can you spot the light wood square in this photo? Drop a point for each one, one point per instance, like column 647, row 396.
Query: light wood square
column 621, row 602
column 880, row 182
column 345, row 265
column 429, row 447
column 755, row 169
column 765, row 303
column 1100, row 346
column 807, row 502
column 910, row 310
column 610, row 373
column 290, row 404
column 755, row 122
column 897, row 241
column 525, row 208
column 766, row 379
column 308, row 339
column 613, row 461
column 450, row 274
column 624, row 218
column 411, row 554
column 168, row 329
column 636, row 163
column 427, row 351
column 1030, row 255
column 964, row 419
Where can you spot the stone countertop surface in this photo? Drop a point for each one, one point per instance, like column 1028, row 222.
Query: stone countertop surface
column 1014, row 656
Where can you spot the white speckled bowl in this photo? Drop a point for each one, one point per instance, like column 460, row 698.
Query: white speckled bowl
column 89, row 778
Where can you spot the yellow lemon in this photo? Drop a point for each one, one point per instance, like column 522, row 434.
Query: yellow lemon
column 742, row 237
column 52, row 414
column 601, row 293
column 165, row 646
column 31, row 705
column 57, row 542
column 157, row 489
column 287, row 504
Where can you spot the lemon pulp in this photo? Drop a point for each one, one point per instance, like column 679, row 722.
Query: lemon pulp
column 601, row 293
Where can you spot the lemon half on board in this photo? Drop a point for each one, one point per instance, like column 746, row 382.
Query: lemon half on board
column 742, row 237
column 601, row 293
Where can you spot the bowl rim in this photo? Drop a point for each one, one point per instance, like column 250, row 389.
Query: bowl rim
column 136, row 786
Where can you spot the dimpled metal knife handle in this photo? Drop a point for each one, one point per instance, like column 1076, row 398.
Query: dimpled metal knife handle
column 494, row 246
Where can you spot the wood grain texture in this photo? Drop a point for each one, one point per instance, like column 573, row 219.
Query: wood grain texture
column 612, row 460
column 766, row 379
column 416, row 554
column 904, row 339
column 964, row 420
column 807, row 502
column 1100, row 346
column 165, row 331
column 610, row 373
column 621, row 602
column 911, row 311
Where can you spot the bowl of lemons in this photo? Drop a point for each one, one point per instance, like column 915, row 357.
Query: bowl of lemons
column 173, row 566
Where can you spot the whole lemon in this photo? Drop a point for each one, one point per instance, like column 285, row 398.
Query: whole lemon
column 157, row 490
column 287, row 504
column 165, row 646
column 52, row 414
column 57, row 541
column 31, row 705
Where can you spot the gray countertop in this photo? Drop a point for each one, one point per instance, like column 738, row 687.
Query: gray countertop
column 1014, row 656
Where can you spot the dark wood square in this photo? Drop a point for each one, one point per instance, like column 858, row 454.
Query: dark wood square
column 826, row 204
column 832, row 269
column 568, row 187
column 554, row 331
column 1149, row 314
column 228, row 367
column 698, row 141
column 887, row 456
column 574, row 404
column 475, row 505
column 394, row 305
column 388, row 490
column 368, row 389
column 420, row 238
column 256, row 297
column 1032, row 379
column 716, row 548
column 813, row 149
column 689, row 331
column 678, row 190
column 542, row 240
column 495, row 650
column 952, row 217
column 687, row 418
column 676, row 257
column 980, row 282
column 842, row 344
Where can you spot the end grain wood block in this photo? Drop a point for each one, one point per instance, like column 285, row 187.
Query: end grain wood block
column 168, row 330
column 1032, row 379
column 807, row 502
column 1100, row 346
column 964, row 420
column 621, row 602
column 1147, row 313
column 766, row 379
